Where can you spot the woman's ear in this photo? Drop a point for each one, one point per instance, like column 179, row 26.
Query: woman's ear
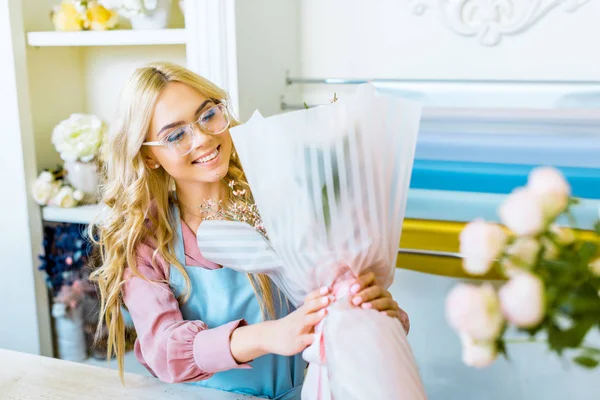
column 150, row 161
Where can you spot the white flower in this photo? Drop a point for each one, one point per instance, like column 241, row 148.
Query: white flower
column 43, row 190
column 78, row 195
column 562, row 236
column 522, row 213
column 480, row 244
column 474, row 311
column 552, row 189
column 46, row 176
column 522, row 300
column 64, row 198
column 79, row 137
column 479, row 354
column 595, row 267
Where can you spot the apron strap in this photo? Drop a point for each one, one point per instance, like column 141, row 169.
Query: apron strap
column 178, row 241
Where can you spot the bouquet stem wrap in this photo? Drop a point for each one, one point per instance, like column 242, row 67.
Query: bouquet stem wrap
column 331, row 186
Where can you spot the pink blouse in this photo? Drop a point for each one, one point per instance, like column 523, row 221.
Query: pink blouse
column 172, row 349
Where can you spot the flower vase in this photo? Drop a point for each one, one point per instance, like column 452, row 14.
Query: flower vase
column 83, row 176
column 153, row 19
column 70, row 338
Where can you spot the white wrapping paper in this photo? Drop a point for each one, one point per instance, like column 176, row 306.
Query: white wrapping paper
column 331, row 185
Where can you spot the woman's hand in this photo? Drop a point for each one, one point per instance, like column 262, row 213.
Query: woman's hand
column 293, row 333
column 367, row 294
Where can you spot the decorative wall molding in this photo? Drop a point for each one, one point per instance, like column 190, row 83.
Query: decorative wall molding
column 490, row 20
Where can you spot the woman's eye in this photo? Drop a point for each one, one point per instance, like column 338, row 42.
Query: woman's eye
column 208, row 115
column 176, row 136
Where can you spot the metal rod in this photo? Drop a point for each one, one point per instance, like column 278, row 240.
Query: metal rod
column 357, row 81
column 434, row 253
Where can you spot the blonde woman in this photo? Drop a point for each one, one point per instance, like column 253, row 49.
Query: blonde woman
column 196, row 322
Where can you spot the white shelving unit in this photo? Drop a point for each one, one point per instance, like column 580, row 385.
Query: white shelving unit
column 120, row 37
column 76, row 215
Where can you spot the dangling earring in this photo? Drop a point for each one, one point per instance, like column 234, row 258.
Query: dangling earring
column 233, row 154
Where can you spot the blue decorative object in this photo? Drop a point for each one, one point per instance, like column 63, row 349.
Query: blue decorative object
column 494, row 177
column 66, row 252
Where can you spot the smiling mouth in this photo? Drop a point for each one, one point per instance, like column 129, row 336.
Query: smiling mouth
column 208, row 157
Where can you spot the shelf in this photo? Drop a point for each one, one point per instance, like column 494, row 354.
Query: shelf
column 77, row 215
column 118, row 37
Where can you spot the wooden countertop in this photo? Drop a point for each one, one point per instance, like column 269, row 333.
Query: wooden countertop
column 31, row 377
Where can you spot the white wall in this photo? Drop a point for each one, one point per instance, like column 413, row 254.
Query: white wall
column 106, row 71
column 268, row 47
column 385, row 39
column 24, row 319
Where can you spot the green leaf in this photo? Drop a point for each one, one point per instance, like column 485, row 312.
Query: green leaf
column 586, row 362
column 501, row 346
column 306, row 106
column 581, row 302
column 587, row 251
column 570, row 338
column 597, row 227
column 326, row 213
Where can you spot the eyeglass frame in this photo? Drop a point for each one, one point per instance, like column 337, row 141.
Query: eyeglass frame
column 163, row 141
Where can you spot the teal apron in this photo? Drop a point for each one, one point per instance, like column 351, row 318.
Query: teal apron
column 224, row 295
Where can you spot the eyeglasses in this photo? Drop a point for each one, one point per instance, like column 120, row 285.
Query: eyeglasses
column 182, row 140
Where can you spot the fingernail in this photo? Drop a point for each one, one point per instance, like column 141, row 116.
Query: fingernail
column 354, row 288
column 324, row 290
column 357, row 300
column 367, row 305
column 325, row 300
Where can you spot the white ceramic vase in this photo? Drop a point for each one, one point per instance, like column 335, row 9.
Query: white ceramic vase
column 70, row 338
column 83, row 176
column 156, row 19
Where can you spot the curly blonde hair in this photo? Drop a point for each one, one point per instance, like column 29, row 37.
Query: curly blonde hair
column 130, row 190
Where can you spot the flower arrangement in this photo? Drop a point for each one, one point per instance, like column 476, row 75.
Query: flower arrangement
column 553, row 288
column 49, row 189
column 241, row 210
column 66, row 254
column 68, row 299
column 78, row 15
column 78, row 138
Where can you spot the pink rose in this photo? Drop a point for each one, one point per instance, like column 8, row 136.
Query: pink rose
column 522, row 213
column 479, row 354
column 474, row 311
column 480, row 243
column 551, row 187
column 522, row 300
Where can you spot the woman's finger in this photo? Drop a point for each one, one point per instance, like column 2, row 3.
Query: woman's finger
column 307, row 339
column 365, row 280
column 403, row 317
column 312, row 319
column 316, row 304
column 369, row 294
column 316, row 293
column 381, row 304
column 390, row 313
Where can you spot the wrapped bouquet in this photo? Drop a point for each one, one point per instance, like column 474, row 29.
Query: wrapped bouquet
column 331, row 184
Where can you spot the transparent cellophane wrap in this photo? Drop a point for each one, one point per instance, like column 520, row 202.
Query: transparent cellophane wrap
column 331, row 186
